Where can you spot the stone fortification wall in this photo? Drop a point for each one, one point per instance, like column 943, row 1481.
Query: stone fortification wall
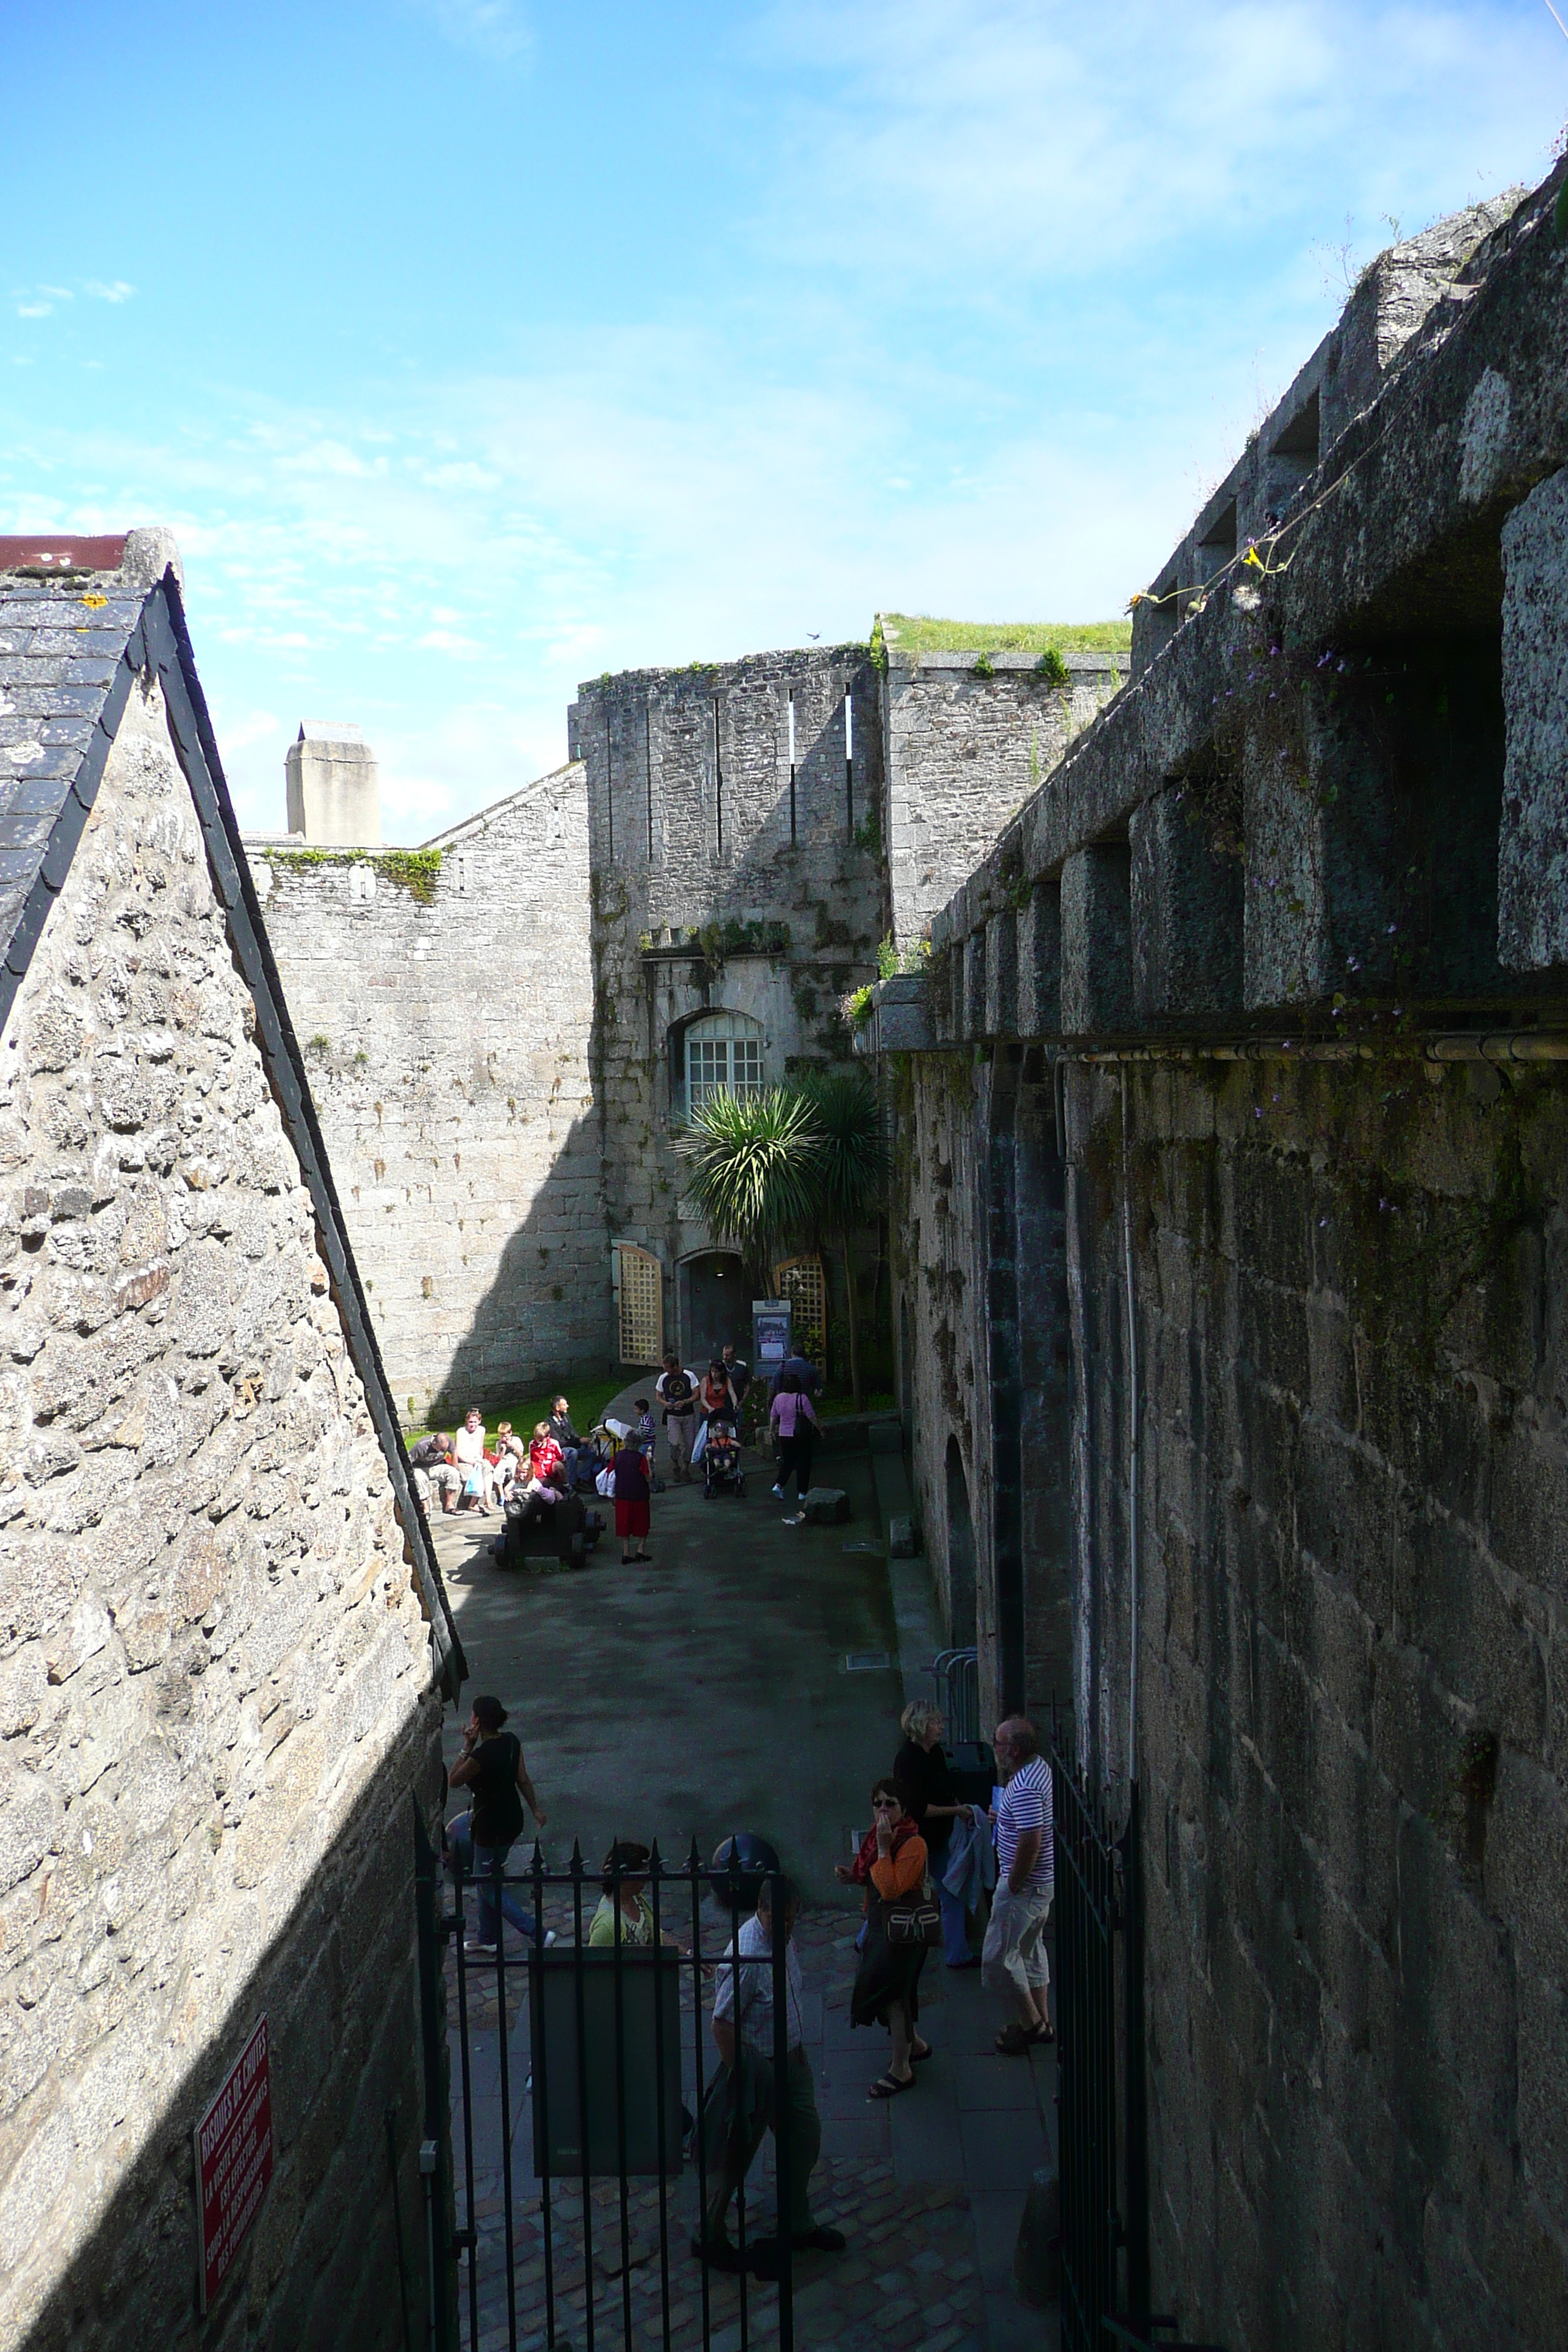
column 1263, row 1011
column 444, row 1001
column 967, row 747
column 1355, row 1497
column 705, row 897
column 215, row 1677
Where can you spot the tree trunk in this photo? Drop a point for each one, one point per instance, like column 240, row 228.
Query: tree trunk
column 854, row 1334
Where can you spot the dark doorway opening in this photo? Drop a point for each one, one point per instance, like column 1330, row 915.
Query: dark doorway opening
column 960, row 1553
column 715, row 1306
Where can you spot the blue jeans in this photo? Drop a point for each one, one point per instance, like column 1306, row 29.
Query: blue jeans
column 954, row 1932
column 478, row 1862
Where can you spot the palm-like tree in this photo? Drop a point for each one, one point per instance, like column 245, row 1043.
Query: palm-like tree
column 848, row 1177
column 752, row 1169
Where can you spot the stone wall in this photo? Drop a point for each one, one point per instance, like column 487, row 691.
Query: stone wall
column 707, row 898
column 1354, row 1493
column 1243, row 1074
column 967, row 747
column 444, row 1001
column 215, row 1677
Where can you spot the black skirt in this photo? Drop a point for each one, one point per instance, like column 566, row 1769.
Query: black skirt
column 888, row 1972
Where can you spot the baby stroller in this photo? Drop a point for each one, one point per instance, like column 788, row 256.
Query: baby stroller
column 721, row 1471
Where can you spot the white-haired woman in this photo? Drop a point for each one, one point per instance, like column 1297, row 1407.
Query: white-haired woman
column 924, row 1782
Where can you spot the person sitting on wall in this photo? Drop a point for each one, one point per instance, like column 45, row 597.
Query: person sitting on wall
column 566, row 1438
column 546, row 1467
column 676, row 1391
column 512, row 1459
column 435, row 1472
column 469, row 1454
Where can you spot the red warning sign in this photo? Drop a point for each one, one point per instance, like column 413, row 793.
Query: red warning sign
column 233, row 2161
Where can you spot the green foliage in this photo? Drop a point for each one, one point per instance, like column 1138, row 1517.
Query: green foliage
column 985, row 666
column 320, row 1044
column 750, row 1168
column 851, row 1170
column 918, row 633
column 1052, row 669
column 414, row 870
column 891, row 961
column 769, row 1171
column 857, row 1006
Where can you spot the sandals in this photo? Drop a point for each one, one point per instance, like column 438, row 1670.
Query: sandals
column 1014, row 2043
column 888, row 2086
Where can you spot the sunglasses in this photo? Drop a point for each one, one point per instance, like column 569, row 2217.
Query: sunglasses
column 883, row 1804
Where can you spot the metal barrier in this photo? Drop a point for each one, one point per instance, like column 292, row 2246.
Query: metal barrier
column 581, row 2171
column 1103, row 2152
column 956, row 1676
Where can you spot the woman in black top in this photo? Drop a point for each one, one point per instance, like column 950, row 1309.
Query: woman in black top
column 924, row 1783
column 491, row 1765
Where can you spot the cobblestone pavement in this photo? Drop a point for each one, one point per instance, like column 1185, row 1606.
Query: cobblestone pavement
column 927, row 2190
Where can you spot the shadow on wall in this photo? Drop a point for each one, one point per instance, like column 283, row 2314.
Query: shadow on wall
column 336, row 2255
column 547, row 1316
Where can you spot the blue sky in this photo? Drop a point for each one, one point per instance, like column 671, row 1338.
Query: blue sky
column 472, row 347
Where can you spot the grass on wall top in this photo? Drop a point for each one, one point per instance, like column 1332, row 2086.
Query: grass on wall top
column 918, row 633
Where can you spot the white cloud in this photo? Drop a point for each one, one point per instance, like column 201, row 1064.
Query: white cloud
column 34, row 309
column 491, row 28
column 117, row 290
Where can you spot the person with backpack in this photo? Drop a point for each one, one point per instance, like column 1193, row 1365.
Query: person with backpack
column 794, row 1424
column 676, row 1391
column 492, row 1766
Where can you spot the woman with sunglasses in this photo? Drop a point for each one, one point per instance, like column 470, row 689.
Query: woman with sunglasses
column 892, row 1866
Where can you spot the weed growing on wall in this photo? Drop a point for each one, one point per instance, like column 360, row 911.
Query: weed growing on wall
column 414, row 870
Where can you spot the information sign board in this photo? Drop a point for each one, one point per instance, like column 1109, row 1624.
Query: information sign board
column 233, row 2161
column 770, row 1328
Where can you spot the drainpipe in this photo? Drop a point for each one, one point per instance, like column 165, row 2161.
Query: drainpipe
column 1135, row 1433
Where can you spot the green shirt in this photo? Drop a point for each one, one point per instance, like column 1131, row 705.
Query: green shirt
column 637, row 1930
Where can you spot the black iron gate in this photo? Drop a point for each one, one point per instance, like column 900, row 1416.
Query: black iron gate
column 1099, row 2050
column 594, row 2124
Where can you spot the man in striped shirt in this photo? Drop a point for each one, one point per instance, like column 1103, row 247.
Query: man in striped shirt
column 1014, row 1959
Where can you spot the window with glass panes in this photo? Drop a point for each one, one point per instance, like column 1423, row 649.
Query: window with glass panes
column 724, row 1056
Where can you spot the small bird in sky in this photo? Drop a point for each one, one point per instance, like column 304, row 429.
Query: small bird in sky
column 815, row 636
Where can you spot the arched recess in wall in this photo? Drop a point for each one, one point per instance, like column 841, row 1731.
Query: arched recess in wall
column 717, row 1051
column 960, row 1553
column 713, row 1303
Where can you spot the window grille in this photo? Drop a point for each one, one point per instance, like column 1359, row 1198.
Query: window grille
column 639, row 1295
column 724, row 1056
column 801, row 1280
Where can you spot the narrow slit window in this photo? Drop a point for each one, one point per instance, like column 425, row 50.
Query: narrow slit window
column 718, row 785
column 791, row 806
column 850, row 760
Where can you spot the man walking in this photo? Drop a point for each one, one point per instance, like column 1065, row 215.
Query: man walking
column 1013, row 1962
column 492, row 1766
column 746, row 2099
column 676, row 1391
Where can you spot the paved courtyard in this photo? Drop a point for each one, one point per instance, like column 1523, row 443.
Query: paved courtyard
column 706, row 1692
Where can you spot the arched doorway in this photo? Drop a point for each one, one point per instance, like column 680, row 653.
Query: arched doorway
column 960, row 1553
column 715, row 1306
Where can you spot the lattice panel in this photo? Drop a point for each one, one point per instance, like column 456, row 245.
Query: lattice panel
column 641, row 1289
column 802, row 1281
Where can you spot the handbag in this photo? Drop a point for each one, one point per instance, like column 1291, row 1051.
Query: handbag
column 916, row 1921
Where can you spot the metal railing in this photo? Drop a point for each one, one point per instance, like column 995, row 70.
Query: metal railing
column 956, row 1676
column 593, row 2121
column 1102, row 2139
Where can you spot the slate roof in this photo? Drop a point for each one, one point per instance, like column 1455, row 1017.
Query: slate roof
column 79, row 621
column 63, row 634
